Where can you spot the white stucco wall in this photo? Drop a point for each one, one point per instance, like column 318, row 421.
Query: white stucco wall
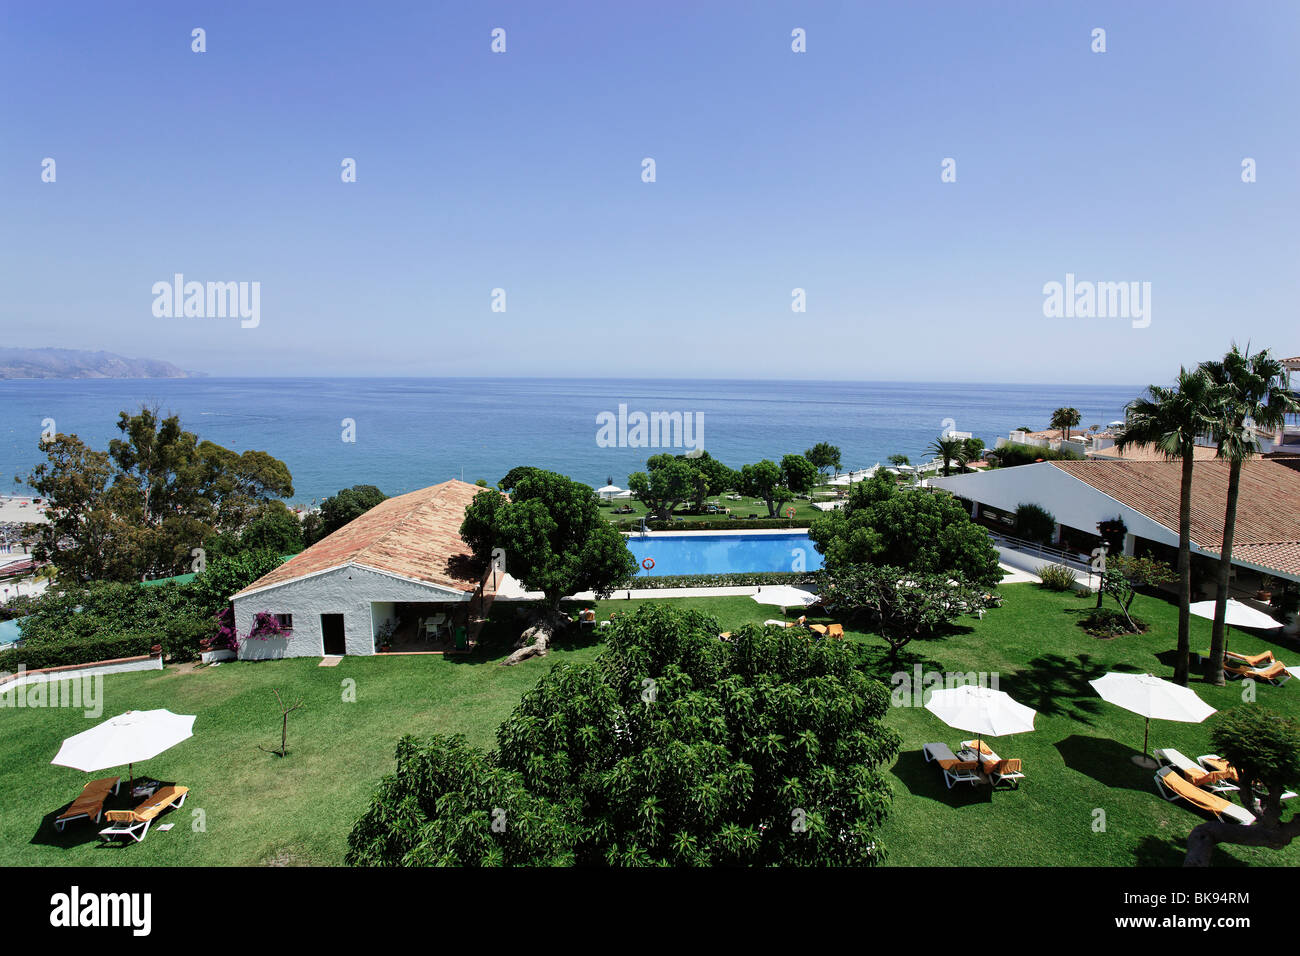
column 1072, row 502
column 349, row 591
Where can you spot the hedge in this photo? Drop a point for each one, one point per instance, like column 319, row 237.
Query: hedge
column 730, row 524
column 735, row 579
column 84, row 650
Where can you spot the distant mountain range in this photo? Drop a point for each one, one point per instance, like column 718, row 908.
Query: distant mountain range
column 78, row 363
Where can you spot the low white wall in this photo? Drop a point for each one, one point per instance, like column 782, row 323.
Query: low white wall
column 118, row 667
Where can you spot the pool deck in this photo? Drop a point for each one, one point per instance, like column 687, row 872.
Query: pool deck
column 512, row 590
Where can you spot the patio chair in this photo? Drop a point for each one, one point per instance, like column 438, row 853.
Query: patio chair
column 1219, row 764
column 1275, row 674
column 135, row 823
column 1172, row 786
column 954, row 770
column 1219, row 781
column 1254, row 660
column 91, row 802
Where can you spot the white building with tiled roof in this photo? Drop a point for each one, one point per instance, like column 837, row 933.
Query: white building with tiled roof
column 382, row 577
column 1145, row 495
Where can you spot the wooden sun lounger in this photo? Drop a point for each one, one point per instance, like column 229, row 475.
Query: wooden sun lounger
column 1254, row 660
column 954, row 770
column 1172, row 786
column 139, row 819
column 91, row 802
column 1219, row 781
column 1276, row 673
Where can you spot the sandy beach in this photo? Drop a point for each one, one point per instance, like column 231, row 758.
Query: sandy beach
column 20, row 510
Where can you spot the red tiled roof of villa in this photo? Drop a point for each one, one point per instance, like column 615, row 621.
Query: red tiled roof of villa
column 1149, row 453
column 415, row 536
column 1267, row 530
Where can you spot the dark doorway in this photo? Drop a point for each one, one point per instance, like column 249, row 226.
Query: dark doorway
column 331, row 628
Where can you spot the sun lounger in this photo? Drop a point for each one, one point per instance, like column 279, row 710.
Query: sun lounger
column 1276, row 673
column 1220, row 781
column 771, row 622
column 91, row 802
column 954, row 770
column 1218, row 764
column 1171, row 785
column 835, row 630
column 1254, row 660
column 135, row 823
column 1004, row 771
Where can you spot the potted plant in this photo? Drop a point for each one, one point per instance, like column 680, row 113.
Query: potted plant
column 1265, row 592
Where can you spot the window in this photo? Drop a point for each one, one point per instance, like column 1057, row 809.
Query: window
column 285, row 621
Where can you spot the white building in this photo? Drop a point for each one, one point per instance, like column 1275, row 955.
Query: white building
column 400, row 573
column 1145, row 496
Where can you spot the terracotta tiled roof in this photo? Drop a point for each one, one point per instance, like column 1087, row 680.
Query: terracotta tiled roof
column 1267, row 530
column 1149, row 453
column 415, row 535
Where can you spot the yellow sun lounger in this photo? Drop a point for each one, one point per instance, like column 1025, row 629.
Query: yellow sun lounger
column 91, row 802
column 1171, row 786
column 131, row 821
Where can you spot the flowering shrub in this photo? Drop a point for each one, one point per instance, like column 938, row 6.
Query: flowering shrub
column 226, row 637
column 267, row 627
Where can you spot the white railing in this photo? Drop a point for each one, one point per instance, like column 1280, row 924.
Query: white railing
column 1068, row 558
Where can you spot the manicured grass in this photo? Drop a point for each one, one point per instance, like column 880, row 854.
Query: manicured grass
column 263, row 809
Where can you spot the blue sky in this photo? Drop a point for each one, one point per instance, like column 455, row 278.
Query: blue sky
column 775, row 170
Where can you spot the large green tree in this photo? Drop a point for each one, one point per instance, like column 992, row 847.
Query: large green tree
column 667, row 482
column 671, row 748
column 776, row 484
column 144, row 506
column 916, row 529
column 1252, row 397
column 346, row 506
column 824, row 456
column 1170, row 420
column 554, row 540
column 1263, row 748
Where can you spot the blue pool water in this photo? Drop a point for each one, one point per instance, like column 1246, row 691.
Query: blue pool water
column 10, row 632
column 724, row 553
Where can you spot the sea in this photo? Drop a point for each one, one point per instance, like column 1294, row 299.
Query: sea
column 406, row 433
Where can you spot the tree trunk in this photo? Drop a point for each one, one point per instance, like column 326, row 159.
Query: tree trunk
column 1265, row 832
column 536, row 640
column 1181, row 661
column 1218, row 640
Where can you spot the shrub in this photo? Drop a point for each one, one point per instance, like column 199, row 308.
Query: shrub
column 1107, row 622
column 1058, row 577
column 1035, row 523
column 80, row 650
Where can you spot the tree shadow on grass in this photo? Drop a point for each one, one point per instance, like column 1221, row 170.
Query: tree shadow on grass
column 1107, row 761
column 926, row 780
column 1057, row 686
column 1159, row 851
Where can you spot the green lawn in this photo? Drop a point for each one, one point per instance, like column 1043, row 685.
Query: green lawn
column 264, row 809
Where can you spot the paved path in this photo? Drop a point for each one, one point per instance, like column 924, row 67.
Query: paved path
column 512, row 590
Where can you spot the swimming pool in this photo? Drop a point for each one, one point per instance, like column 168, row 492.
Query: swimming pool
column 723, row 553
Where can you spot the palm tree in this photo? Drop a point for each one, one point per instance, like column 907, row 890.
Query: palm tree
column 1065, row 419
column 1253, row 397
column 1170, row 419
column 950, row 450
